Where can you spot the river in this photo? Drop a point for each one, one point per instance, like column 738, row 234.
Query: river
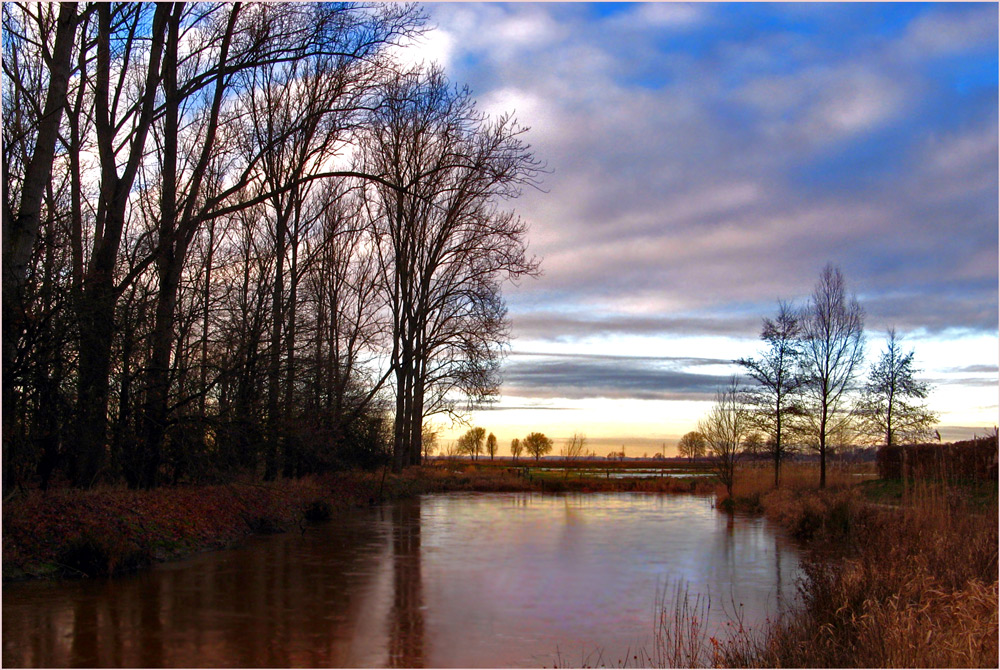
column 451, row 580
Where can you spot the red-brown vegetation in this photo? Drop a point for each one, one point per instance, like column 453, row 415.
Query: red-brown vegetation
column 971, row 459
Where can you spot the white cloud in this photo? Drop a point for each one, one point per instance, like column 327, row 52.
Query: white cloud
column 948, row 32
column 660, row 15
column 434, row 46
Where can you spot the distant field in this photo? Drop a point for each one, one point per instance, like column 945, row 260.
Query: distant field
column 632, row 468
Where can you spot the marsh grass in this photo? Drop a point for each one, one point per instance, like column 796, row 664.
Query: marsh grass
column 908, row 586
column 897, row 574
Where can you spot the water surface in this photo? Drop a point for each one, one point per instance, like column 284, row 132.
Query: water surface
column 456, row 580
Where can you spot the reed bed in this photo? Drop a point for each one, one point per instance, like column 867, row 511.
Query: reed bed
column 907, row 585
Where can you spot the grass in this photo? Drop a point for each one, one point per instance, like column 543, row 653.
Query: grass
column 896, row 575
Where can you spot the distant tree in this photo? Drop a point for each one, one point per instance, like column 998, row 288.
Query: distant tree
column 537, row 445
column 725, row 428
column 428, row 440
column 776, row 396
column 471, row 442
column 692, row 445
column 833, row 344
column 754, row 446
column 892, row 405
column 491, row 445
column 515, row 448
column 574, row 447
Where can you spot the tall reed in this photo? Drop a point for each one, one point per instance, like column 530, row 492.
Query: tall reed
column 914, row 587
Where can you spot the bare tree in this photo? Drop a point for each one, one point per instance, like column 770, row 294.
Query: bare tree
column 725, row 428
column 515, row 448
column 574, row 447
column 428, row 441
column 537, row 445
column 692, row 445
column 776, row 395
column 444, row 243
column 21, row 222
column 471, row 442
column 833, row 344
column 892, row 404
column 755, row 446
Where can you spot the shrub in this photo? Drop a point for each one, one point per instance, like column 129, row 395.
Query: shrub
column 93, row 555
column 318, row 510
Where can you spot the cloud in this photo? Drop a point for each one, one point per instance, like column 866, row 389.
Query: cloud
column 681, row 361
column 649, row 15
column 938, row 32
column 607, row 377
column 711, row 163
column 554, row 326
column 985, row 369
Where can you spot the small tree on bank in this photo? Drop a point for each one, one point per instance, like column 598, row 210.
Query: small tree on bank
column 537, row 445
column 725, row 428
column 892, row 406
column 491, row 445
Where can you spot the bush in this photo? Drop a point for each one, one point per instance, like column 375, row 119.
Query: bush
column 93, row 555
column 318, row 510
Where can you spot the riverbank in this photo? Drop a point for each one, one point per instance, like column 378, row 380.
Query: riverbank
column 897, row 576
column 70, row 532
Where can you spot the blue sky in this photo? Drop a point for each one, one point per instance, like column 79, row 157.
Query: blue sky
column 709, row 159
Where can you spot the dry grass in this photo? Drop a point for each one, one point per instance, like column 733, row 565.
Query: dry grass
column 759, row 479
column 916, row 588
column 913, row 584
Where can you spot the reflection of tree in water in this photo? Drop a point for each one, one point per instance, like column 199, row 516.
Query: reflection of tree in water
column 406, row 618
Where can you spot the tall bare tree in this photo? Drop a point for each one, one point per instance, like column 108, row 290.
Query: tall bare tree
column 833, row 344
column 775, row 396
column 444, row 243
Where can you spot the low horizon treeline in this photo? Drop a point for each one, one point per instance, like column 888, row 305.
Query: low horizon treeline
column 808, row 390
column 243, row 239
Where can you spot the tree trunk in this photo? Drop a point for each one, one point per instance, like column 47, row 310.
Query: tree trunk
column 21, row 230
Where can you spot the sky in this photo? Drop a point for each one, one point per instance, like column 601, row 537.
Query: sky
column 705, row 161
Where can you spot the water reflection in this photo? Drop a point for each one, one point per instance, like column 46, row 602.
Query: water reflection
column 406, row 619
column 468, row 580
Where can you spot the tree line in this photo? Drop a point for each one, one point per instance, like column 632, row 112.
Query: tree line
column 243, row 238
column 475, row 442
column 807, row 390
